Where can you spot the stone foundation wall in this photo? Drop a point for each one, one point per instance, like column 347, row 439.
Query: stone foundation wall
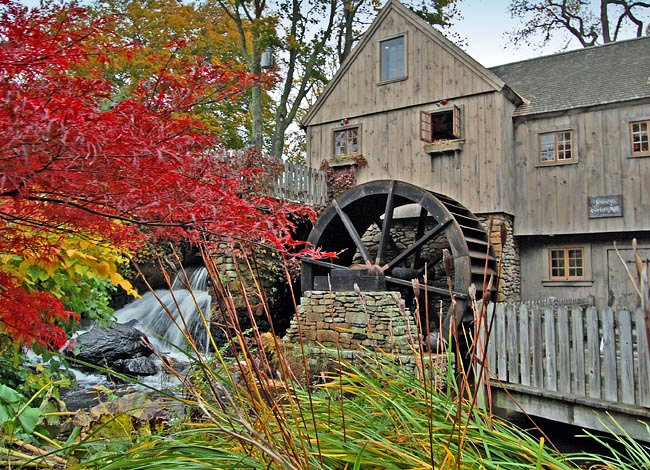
column 233, row 269
column 351, row 325
column 510, row 281
column 351, row 321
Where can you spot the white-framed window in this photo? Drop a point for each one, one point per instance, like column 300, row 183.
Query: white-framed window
column 392, row 58
column 346, row 141
column 440, row 125
column 640, row 138
column 556, row 147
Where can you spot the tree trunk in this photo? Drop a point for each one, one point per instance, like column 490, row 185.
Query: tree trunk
column 604, row 21
column 257, row 118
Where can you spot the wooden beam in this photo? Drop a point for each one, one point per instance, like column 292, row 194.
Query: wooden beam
column 417, row 244
column 349, row 226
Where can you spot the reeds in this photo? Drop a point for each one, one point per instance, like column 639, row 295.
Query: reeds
column 262, row 408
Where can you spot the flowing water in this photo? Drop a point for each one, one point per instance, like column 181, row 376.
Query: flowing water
column 167, row 316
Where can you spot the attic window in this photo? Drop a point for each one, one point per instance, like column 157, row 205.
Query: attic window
column 391, row 59
column 440, row 125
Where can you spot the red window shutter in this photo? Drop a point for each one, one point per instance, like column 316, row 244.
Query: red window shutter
column 425, row 127
column 457, row 129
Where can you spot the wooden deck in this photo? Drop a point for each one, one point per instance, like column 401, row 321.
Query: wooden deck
column 571, row 364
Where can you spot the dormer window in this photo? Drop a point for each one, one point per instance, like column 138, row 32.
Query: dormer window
column 392, row 60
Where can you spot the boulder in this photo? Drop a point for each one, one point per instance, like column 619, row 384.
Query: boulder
column 103, row 346
column 135, row 366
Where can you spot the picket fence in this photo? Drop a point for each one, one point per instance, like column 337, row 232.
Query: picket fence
column 573, row 350
column 296, row 183
column 302, row 184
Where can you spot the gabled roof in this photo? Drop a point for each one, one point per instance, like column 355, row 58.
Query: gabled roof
column 610, row 73
column 394, row 6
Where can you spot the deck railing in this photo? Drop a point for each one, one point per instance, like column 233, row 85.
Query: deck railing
column 573, row 350
column 296, row 183
column 302, row 184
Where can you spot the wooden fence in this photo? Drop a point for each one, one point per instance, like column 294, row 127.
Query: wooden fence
column 576, row 351
column 301, row 184
column 296, row 183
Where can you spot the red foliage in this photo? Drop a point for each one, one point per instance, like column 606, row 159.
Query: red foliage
column 73, row 159
column 32, row 316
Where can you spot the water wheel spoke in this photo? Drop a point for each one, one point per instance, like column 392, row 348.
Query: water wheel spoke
column 434, row 290
column 418, row 244
column 352, row 231
column 418, row 234
column 391, row 242
column 385, row 227
column 324, row 264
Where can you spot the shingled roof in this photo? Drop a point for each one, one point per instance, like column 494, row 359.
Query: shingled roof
column 598, row 75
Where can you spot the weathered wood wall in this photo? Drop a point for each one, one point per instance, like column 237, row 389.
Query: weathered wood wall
column 480, row 175
column 605, row 276
column 553, row 199
column 435, row 70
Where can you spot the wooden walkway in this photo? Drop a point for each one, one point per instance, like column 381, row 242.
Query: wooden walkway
column 571, row 364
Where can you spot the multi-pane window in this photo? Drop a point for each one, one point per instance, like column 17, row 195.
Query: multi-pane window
column 556, row 147
column 639, row 134
column 567, row 263
column 392, row 60
column 440, row 125
column 346, row 142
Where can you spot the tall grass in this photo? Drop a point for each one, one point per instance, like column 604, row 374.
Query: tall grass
column 267, row 407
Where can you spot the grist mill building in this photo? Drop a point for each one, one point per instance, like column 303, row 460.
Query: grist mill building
column 557, row 148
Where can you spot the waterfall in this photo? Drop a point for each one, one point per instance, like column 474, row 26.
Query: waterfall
column 149, row 315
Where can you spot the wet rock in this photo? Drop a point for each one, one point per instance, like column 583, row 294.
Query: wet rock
column 103, row 346
column 136, row 366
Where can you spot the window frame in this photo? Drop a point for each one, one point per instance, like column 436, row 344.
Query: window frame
column 566, row 258
column 556, row 160
column 383, row 81
column 346, row 129
column 645, row 153
column 427, row 120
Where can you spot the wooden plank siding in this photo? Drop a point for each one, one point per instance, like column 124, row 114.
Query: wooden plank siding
column 479, row 175
column 574, row 352
column 391, row 145
column 556, row 196
column 358, row 93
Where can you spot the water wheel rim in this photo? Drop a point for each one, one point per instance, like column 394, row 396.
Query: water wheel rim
column 347, row 213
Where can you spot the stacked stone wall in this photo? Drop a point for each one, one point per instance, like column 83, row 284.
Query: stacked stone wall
column 232, row 264
column 510, row 281
column 348, row 320
column 347, row 324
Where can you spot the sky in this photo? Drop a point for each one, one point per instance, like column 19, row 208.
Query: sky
column 484, row 25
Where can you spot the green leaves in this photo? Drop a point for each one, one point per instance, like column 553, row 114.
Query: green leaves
column 14, row 411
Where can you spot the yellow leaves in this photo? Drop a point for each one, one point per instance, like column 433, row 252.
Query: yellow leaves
column 80, row 257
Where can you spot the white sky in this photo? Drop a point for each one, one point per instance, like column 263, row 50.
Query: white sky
column 484, row 24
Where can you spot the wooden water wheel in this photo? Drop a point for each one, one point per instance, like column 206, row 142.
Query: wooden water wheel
column 367, row 227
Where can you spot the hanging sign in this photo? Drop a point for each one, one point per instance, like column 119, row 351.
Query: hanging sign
column 605, row 206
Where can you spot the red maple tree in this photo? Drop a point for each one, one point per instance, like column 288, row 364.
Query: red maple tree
column 75, row 159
